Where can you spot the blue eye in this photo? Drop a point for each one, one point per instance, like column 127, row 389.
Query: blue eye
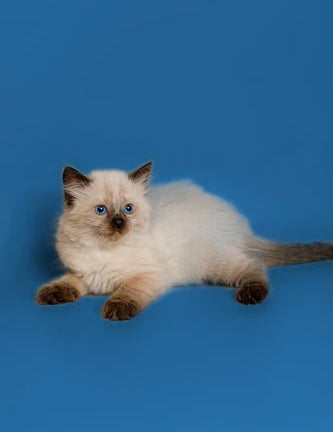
column 100, row 209
column 129, row 208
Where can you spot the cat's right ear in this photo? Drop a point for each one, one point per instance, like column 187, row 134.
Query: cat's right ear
column 72, row 180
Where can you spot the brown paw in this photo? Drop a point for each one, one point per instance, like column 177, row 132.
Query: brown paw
column 252, row 293
column 57, row 293
column 119, row 309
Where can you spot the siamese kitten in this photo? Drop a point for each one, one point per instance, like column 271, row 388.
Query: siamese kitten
column 119, row 237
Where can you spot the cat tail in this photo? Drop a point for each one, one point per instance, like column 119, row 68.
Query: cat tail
column 279, row 254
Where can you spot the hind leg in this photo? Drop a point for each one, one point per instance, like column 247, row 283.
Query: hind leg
column 253, row 289
column 247, row 275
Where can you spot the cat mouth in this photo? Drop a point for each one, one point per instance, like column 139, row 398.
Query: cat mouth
column 118, row 231
column 114, row 228
column 110, row 233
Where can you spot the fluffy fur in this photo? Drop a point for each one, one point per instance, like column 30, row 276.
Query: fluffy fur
column 177, row 235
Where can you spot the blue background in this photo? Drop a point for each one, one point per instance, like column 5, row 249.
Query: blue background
column 235, row 95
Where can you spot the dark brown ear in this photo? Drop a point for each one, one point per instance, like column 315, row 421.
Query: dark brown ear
column 142, row 174
column 72, row 179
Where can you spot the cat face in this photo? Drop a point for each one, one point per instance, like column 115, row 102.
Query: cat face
column 106, row 204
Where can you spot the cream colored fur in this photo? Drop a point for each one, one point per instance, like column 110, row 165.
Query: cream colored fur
column 178, row 235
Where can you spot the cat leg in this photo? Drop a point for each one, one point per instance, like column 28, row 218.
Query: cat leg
column 67, row 288
column 252, row 286
column 131, row 297
column 247, row 275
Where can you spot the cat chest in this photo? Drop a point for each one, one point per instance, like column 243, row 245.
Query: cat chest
column 103, row 274
column 102, row 280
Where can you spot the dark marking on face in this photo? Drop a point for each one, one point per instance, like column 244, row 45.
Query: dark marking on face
column 118, row 221
column 114, row 225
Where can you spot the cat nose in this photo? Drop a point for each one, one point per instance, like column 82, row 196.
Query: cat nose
column 118, row 221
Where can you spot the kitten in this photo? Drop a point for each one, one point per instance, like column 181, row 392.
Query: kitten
column 118, row 236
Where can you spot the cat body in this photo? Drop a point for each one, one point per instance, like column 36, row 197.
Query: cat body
column 120, row 237
column 189, row 231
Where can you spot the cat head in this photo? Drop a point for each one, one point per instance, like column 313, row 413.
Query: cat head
column 105, row 205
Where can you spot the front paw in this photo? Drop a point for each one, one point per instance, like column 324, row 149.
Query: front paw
column 55, row 293
column 120, row 309
column 252, row 293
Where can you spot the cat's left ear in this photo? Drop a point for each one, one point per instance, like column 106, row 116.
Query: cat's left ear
column 142, row 174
